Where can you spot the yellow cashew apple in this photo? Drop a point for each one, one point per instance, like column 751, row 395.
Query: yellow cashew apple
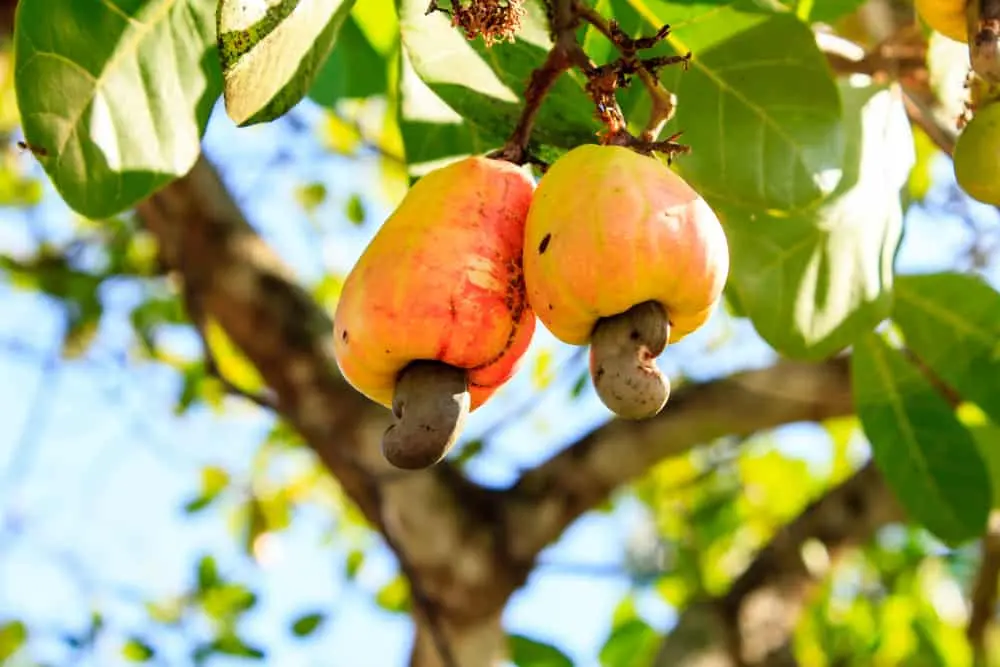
column 621, row 253
column 948, row 17
column 433, row 317
column 977, row 169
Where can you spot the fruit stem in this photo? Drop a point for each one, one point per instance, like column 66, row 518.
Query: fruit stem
column 623, row 352
column 430, row 403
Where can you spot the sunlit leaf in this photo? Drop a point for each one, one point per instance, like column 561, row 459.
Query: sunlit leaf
column 811, row 281
column 355, row 209
column 13, row 635
column 485, row 85
column 232, row 363
column 271, row 52
column 352, row 565
column 310, row 196
column 208, row 573
column 395, row 595
column 111, row 133
column 307, row 624
column 758, row 105
column 137, row 650
column 929, row 459
column 631, row 644
column 543, row 370
column 951, row 321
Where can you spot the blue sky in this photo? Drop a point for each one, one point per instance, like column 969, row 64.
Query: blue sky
column 94, row 465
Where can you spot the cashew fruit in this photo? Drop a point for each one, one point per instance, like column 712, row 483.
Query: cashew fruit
column 433, row 317
column 976, row 157
column 948, row 17
column 621, row 253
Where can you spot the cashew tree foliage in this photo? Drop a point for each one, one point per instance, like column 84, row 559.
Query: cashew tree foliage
column 819, row 488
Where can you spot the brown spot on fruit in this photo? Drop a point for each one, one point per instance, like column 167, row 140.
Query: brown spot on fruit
column 623, row 351
column 431, row 403
column 544, row 245
column 343, row 335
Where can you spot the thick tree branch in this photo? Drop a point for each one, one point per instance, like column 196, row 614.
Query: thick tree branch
column 752, row 624
column 984, row 589
column 547, row 499
column 439, row 525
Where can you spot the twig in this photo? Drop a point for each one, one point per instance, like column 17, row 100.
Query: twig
column 984, row 589
column 664, row 102
column 565, row 53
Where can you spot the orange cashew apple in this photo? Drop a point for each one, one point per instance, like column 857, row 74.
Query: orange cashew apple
column 620, row 252
column 433, row 318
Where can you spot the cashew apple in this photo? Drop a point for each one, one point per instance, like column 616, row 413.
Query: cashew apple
column 948, row 17
column 433, row 317
column 975, row 158
column 621, row 253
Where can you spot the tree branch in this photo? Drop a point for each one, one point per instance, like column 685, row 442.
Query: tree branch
column 984, row 590
column 439, row 525
column 547, row 499
column 752, row 624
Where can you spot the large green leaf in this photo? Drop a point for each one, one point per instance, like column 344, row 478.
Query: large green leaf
column 811, row 281
column 987, row 437
column 431, row 130
column 117, row 95
column 758, row 106
column 951, row 322
column 271, row 52
column 353, row 70
column 929, row 459
column 485, row 86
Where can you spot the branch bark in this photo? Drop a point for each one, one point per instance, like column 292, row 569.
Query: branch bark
column 752, row 624
column 441, row 527
column 547, row 499
column 984, row 590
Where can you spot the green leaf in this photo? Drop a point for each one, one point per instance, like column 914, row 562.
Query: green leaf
column 631, row 644
column 758, row 106
column 271, row 52
column 430, row 129
column 528, row 652
column 116, row 94
column 354, row 69
column 579, row 385
column 214, row 481
column 987, row 437
column 208, row 574
column 951, row 322
column 13, row 635
column 485, row 86
column 812, row 281
column 311, row 195
column 230, row 644
column 929, row 459
column 395, row 595
column 307, row 624
column 137, row 650
column 355, row 209
column 227, row 601
column 352, row 565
